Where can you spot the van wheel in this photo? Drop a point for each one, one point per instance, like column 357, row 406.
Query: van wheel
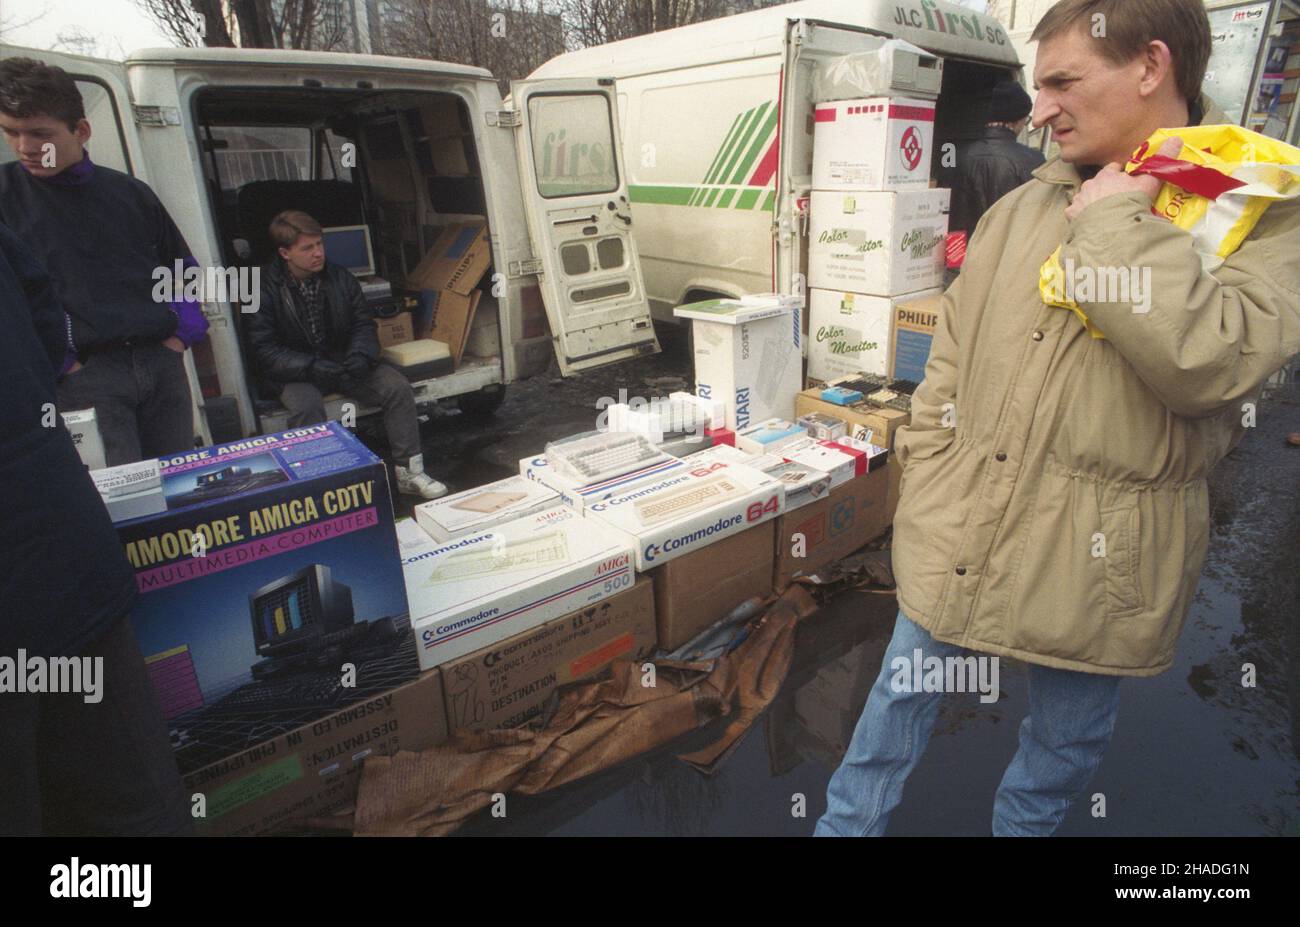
column 484, row 403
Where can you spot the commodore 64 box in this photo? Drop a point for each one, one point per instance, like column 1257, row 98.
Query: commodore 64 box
column 270, row 589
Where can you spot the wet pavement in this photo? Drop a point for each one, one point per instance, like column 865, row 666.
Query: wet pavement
column 1195, row 752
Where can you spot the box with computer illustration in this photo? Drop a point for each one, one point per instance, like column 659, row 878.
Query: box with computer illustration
column 271, row 588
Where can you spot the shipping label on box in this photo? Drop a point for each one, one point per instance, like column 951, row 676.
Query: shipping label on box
column 915, row 320
column 689, row 510
column 482, row 507
column 875, row 143
column 315, row 768
column 754, row 367
column 506, row 684
column 580, row 495
column 396, row 329
column 275, row 565
column 834, row 526
column 881, row 244
column 850, row 334
column 474, row 591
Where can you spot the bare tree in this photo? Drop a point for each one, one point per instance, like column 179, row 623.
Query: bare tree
column 10, row 23
column 324, row 25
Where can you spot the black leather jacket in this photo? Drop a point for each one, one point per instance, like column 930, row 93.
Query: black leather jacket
column 987, row 169
column 277, row 332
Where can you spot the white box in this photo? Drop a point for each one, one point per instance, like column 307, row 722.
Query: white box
column 803, row 484
column 769, row 437
column 579, row 495
column 840, row 464
column 128, row 479
column 84, row 428
column 882, row 244
column 689, row 510
column 714, row 410
column 719, row 452
column 824, row 427
column 130, row 505
column 484, row 506
column 749, row 357
column 848, row 333
column 482, row 588
column 873, row 143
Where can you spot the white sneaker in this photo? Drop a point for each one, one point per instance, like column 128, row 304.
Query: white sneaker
column 414, row 481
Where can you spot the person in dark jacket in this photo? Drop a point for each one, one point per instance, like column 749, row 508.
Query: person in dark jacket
column 96, row 761
column 991, row 166
column 314, row 334
column 102, row 236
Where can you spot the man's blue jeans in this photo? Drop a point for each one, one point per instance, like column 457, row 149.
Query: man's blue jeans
column 1062, row 740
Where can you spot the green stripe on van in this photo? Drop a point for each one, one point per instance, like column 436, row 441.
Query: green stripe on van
column 725, row 200
column 748, row 198
column 745, row 139
column 717, row 157
column 670, row 196
column 760, row 141
column 770, row 201
column 747, row 119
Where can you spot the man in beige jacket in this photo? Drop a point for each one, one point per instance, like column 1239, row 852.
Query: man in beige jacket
column 1053, row 500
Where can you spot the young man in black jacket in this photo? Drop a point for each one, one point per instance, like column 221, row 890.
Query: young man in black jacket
column 314, row 334
column 95, row 761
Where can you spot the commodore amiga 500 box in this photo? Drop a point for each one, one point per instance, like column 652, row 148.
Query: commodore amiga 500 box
column 271, row 590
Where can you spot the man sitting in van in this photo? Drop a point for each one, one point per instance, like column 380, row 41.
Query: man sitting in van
column 102, row 236
column 1054, row 502
column 314, row 335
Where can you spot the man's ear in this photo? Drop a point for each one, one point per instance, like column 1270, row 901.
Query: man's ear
column 82, row 130
column 284, row 253
column 1157, row 67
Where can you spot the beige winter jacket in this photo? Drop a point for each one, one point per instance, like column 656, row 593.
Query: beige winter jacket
column 1053, row 498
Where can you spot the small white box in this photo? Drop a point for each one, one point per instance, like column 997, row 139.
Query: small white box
column 803, row 484
column 482, row 588
column 579, row 495
column 748, row 356
column 882, row 244
column 848, row 333
column 689, row 510
column 484, row 506
column 840, row 464
column 769, row 437
column 127, row 479
column 824, row 427
column 84, row 428
column 873, row 143
column 714, row 410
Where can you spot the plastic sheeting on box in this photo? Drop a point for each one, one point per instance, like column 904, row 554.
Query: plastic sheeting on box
column 895, row 68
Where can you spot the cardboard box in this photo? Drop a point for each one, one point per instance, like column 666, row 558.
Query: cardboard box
column 506, row 684
column 832, row 527
column 84, row 428
column 451, row 314
column 485, row 587
column 697, row 590
column 275, row 565
column 882, row 422
column 457, row 260
column 693, row 508
column 881, row 244
column 915, row 319
column 802, row 484
column 748, row 356
column 850, row 334
column 315, row 768
column 482, row 507
column 395, row 329
column 580, row 495
column 873, row 143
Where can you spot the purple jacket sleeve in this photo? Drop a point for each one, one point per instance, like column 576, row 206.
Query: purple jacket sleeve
column 191, row 326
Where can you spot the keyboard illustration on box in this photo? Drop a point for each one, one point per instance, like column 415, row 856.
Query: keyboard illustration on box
column 497, row 555
column 685, row 501
column 602, row 456
column 488, row 502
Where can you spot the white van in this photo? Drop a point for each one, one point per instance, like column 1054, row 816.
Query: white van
column 717, row 118
column 229, row 137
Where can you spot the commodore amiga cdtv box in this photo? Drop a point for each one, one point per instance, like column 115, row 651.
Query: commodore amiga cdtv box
column 270, row 589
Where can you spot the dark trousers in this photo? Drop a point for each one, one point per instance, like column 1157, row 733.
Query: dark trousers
column 384, row 387
column 141, row 399
column 72, row 768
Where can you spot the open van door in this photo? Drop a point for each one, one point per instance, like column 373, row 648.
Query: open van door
column 575, row 199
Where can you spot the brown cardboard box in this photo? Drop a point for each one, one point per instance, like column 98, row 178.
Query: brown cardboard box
column 505, row 684
column 834, row 526
column 457, row 260
column 698, row 589
column 911, row 334
column 883, row 422
column 452, row 316
column 316, row 768
column 395, row 330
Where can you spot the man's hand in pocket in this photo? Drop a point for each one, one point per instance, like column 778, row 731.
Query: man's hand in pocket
column 175, row 344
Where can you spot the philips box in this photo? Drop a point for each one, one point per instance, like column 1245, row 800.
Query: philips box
column 690, row 509
column 881, row 244
column 873, row 143
column 485, row 587
column 481, row 508
column 748, row 356
column 270, row 589
column 580, row 495
column 915, row 320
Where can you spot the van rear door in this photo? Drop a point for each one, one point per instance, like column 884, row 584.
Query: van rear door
column 575, row 199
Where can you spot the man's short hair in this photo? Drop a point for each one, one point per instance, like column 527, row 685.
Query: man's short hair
column 1131, row 24
column 288, row 225
column 32, row 88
